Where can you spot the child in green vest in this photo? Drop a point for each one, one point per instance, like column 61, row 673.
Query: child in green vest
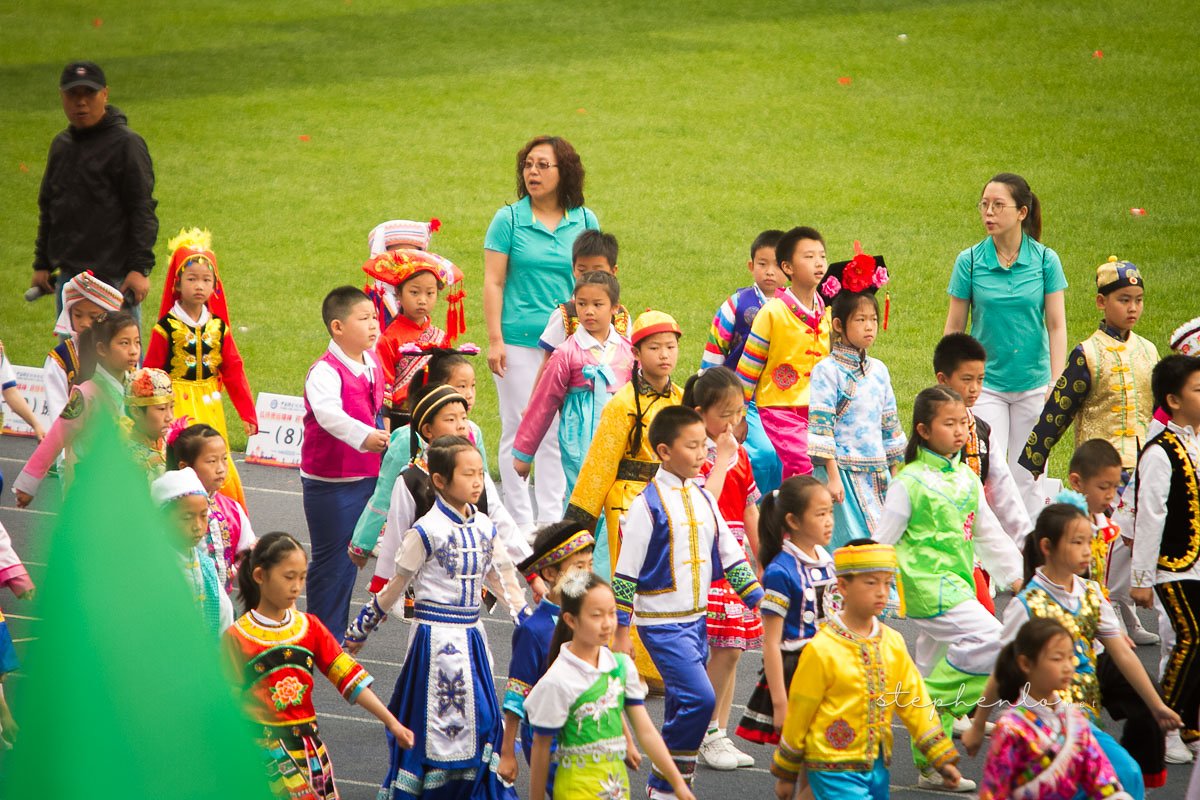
column 580, row 700
column 936, row 517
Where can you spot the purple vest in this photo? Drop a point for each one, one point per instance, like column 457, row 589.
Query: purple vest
column 323, row 455
column 745, row 308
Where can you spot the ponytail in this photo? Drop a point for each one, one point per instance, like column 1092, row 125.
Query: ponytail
column 266, row 553
column 1023, row 197
column 1033, row 636
column 792, row 497
column 706, row 388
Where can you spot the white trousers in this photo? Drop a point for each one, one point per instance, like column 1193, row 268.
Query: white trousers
column 549, row 482
column 967, row 635
column 1012, row 416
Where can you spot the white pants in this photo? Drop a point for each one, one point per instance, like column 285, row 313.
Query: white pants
column 1012, row 416
column 966, row 635
column 549, row 482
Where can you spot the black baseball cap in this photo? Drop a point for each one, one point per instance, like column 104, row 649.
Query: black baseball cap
column 82, row 73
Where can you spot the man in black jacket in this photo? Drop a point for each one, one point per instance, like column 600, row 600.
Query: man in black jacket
column 96, row 205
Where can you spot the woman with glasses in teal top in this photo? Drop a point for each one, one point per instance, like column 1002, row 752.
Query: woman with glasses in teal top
column 1011, row 287
column 527, row 272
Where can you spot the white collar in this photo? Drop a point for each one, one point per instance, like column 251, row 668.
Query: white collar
column 670, row 479
column 589, row 342
column 821, row 560
column 183, row 316
column 1045, row 581
column 368, row 362
column 1183, row 430
column 799, row 302
column 115, row 385
column 267, row 622
column 607, row 662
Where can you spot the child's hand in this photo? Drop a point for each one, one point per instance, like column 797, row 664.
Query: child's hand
column 404, row 737
column 778, row 714
column 784, row 789
column 352, row 647
column 522, row 468
column 972, row 740
column 727, row 445
column 376, row 442
column 951, row 776
column 39, row 432
column 359, row 561
column 1016, row 586
column 622, row 642
column 1168, row 720
column 633, row 757
column 835, row 487
column 1143, row 598
column 497, row 361
column 538, row 587
column 251, row 428
column 24, row 499
column 508, row 767
column 11, row 729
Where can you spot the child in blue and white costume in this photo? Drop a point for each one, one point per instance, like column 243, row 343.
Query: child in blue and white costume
column 445, row 690
column 854, row 436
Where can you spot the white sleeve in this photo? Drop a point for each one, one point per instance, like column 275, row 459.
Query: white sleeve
column 509, row 533
column 56, row 387
column 727, row 544
column 224, row 609
column 1015, row 615
column 323, row 389
column 636, row 526
column 1154, row 482
column 402, row 511
column 897, row 511
column 553, row 334
column 1005, row 499
column 549, row 702
column 248, row 539
column 503, row 580
column 1108, row 627
column 410, row 557
column 994, row 549
column 8, row 378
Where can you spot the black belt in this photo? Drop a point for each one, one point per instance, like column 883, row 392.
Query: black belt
column 632, row 469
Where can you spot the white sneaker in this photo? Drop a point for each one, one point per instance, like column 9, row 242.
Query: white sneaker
column 1142, row 637
column 745, row 759
column 932, row 780
column 1177, row 751
column 717, row 752
column 963, row 724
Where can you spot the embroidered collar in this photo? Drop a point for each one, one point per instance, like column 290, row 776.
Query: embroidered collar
column 644, row 388
column 851, row 358
column 453, row 515
column 1109, row 330
column 811, row 317
column 670, row 480
column 938, row 461
column 839, row 627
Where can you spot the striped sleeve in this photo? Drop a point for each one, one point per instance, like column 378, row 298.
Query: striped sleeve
column 720, row 335
column 754, row 357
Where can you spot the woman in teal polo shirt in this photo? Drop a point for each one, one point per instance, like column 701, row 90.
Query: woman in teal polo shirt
column 527, row 273
column 1012, row 286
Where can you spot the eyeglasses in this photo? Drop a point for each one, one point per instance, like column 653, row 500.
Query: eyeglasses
column 997, row 206
column 541, row 166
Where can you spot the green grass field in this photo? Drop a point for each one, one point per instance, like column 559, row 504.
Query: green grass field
column 699, row 124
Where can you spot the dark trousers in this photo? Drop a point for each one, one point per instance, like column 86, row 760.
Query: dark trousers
column 1181, row 679
column 332, row 509
column 1142, row 737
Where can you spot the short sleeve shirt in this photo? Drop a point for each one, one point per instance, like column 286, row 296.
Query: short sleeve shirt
column 1008, row 310
column 540, row 274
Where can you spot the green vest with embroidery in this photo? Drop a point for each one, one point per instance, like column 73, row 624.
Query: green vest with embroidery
column 593, row 730
column 936, row 554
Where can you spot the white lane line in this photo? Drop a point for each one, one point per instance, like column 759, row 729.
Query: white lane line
column 30, row 511
column 290, row 492
column 21, row 616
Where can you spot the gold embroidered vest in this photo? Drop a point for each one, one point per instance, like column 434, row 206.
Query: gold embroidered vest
column 1082, row 625
column 1120, row 403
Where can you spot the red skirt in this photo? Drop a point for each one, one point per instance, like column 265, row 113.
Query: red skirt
column 731, row 623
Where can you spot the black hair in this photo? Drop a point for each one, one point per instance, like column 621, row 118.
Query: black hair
column 569, row 166
column 1051, row 524
column 442, row 365
column 605, row 280
column 595, row 243
column 669, row 422
column 708, row 387
column 1031, row 639
column 785, row 249
column 187, row 446
column 767, row 239
column 1170, row 376
column 104, row 329
column 925, row 408
column 792, row 497
column 846, row 305
column 1092, row 456
column 1024, row 197
column 572, row 604
column 953, row 350
column 442, row 455
column 555, row 530
column 338, row 303
column 266, row 553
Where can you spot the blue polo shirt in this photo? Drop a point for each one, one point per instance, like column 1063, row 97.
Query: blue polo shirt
column 540, row 274
column 1008, row 310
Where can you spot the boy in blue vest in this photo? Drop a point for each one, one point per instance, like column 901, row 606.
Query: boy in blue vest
column 340, row 454
column 673, row 541
column 558, row 550
column 727, row 338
